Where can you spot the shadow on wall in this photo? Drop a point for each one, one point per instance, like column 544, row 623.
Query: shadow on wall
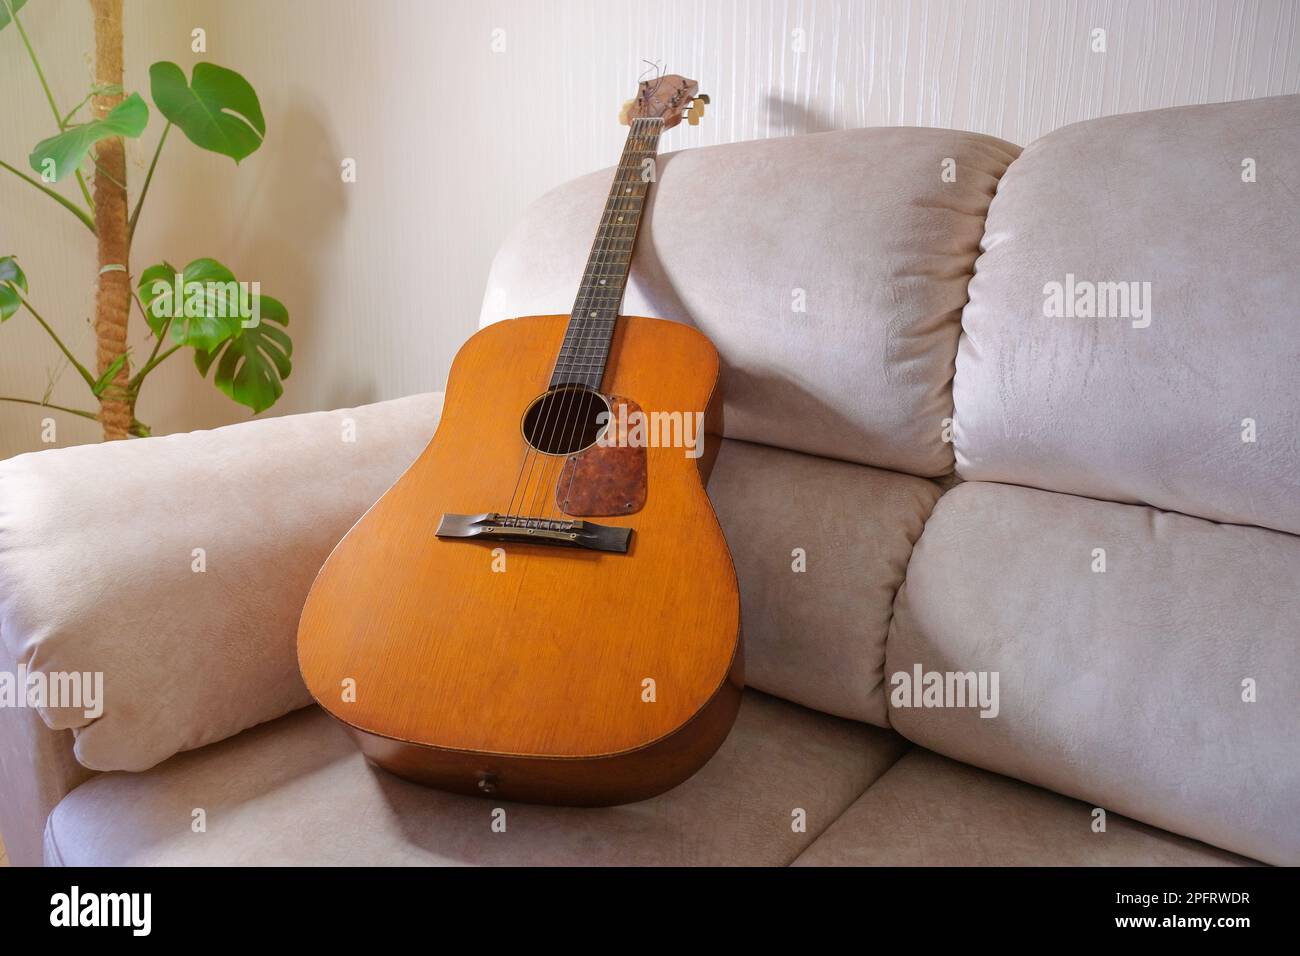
column 284, row 230
column 303, row 190
column 792, row 119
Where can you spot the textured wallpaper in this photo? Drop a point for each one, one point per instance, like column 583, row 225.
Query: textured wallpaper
column 458, row 114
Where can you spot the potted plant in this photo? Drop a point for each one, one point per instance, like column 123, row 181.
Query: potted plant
column 229, row 325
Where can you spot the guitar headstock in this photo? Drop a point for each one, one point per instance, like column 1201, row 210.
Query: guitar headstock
column 672, row 98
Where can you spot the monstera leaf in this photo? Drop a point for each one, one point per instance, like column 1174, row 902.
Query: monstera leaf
column 6, row 6
column 255, row 361
column 11, row 279
column 205, row 311
column 217, row 110
column 67, row 149
column 251, row 360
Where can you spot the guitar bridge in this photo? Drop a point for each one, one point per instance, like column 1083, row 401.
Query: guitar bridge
column 562, row 533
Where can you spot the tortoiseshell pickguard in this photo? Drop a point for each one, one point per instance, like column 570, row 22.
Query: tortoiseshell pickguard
column 605, row 479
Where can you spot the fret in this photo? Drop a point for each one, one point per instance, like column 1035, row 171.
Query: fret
column 584, row 352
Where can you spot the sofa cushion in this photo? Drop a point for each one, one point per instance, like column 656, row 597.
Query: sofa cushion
column 298, row 792
column 829, row 270
column 930, row 811
column 100, row 547
column 1165, row 687
column 1194, row 412
column 817, row 635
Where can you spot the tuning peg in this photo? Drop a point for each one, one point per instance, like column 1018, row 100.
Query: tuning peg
column 702, row 98
column 624, row 115
column 695, row 112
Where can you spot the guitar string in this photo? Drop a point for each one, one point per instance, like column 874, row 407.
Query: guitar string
column 557, row 409
column 614, row 258
column 626, row 202
column 590, row 330
column 637, row 205
column 532, row 455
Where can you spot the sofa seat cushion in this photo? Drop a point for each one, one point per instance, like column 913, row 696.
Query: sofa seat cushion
column 297, row 791
column 820, row 547
column 829, row 270
column 1163, row 684
column 931, row 811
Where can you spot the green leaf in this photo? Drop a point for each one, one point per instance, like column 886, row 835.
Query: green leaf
column 9, row 302
column 252, row 362
column 6, row 6
column 206, row 315
column 106, row 379
column 256, row 361
column 11, row 279
column 69, row 148
column 218, row 110
column 9, row 271
column 154, row 282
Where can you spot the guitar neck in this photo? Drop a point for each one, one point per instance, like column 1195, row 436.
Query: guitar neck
column 585, row 351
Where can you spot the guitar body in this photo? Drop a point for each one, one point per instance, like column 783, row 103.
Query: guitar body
column 525, row 670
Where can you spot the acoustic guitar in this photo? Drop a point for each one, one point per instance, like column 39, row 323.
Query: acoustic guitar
column 543, row 607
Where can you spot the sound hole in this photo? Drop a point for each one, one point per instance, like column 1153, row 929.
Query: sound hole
column 565, row 420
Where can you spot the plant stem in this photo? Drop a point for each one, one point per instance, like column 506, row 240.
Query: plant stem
column 49, row 96
column 85, row 373
column 58, row 408
column 85, row 191
column 57, row 197
column 162, row 332
column 148, row 178
column 67, row 117
column 154, row 360
column 40, row 74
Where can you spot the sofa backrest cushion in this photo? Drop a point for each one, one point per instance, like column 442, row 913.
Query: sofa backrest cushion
column 829, row 270
column 1187, row 399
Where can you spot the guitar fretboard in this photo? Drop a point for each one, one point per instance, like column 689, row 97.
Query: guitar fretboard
column 585, row 351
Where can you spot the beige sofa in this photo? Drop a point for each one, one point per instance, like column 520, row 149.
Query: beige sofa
column 929, row 468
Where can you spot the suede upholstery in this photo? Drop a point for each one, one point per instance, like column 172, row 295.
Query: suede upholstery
column 97, row 567
column 929, row 811
column 1097, row 407
column 1122, row 687
column 37, row 769
column 861, row 224
column 298, row 792
column 817, row 636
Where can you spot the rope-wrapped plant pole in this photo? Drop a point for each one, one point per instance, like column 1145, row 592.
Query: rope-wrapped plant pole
column 113, row 292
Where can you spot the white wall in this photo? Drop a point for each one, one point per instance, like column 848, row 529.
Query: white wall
column 383, row 277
